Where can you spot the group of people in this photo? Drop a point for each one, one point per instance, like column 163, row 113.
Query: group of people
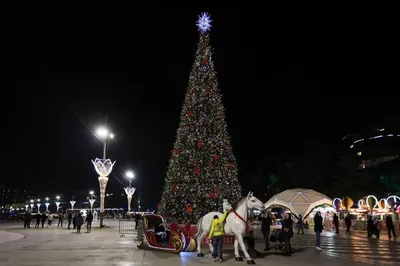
column 374, row 226
column 74, row 218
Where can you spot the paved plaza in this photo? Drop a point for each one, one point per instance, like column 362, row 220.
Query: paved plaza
column 61, row 247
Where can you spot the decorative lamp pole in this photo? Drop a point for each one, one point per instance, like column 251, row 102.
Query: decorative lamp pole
column 32, row 204
column 91, row 200
column 58, row 202
column 47, row 204
column 103, row 168
column 138, row 204
column 72, row 204
column 129, row 190
column 38, row 205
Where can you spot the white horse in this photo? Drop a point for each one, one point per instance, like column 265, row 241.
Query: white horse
column 236, row 224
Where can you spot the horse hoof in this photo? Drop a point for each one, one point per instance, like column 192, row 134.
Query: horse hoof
column 251, row 262
column 200, row 255
column 239, row 259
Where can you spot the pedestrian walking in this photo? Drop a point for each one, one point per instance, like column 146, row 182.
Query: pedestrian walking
column 250, row 241
column 137, row 218
column 266, row 221
column 69, row 219
column 287, row 230
column 60, row 219
column 78, row 222
column 27, row 220
column 336, row 223
column 50, row 219
column 89, row 220
column 38, row 217
column 300, row 225
column 390, row 226
column 74, row 220
column 347, row 221
column 44, row 216
column 372, row 227
column 216, row 235
column 318, row 227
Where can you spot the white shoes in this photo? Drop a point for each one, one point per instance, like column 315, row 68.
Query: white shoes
column 318, row 248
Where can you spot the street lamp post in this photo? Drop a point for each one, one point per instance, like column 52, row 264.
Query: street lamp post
column 58, row 202
column 129, row 190
column 47, row 204
column 103, row 167
column 91, row 200
column 32, row 205
column 72, row 204
column 38, row 205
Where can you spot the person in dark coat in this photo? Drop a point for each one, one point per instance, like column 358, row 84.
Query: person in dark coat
column 390, row 226
column 250, row 241
column 318, row 227
column 27, row 220
column 266, row 222
column 300, row 225
column 89, row 220
column 44, row 216
column 347, row 221
column 137, row 218
column 372, row 227
column 38, row 217
column 74, row 220
column 336, row 222
column 78, row 222
column 60, row 219
column 287, row 229
column 69, row 219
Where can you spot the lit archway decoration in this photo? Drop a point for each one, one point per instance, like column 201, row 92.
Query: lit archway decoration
column 370, row 202
column 347, row 203
column 382, row 204
column 361, row 203
column 337, row 203
column 393, row 202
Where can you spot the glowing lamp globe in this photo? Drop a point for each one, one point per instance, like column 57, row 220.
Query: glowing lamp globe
column 103, row 167
column 130, row 174
column 102, row 132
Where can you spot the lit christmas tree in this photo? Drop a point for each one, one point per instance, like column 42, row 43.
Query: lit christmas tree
column 202, row 169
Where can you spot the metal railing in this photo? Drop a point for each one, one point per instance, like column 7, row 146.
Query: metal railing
column 127, row 227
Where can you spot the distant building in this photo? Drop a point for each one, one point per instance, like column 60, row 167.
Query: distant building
column 375, row 147
column 12, row 196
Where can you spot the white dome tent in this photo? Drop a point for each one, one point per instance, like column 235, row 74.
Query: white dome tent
column 299, row 201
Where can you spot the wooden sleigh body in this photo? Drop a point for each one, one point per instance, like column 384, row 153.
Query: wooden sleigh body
column 174, row 239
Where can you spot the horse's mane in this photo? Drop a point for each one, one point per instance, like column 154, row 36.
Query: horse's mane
column 241, row 201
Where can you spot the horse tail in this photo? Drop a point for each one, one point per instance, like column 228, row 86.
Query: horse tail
column 199, row 229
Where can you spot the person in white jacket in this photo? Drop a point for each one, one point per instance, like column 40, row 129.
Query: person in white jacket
column 49, row 219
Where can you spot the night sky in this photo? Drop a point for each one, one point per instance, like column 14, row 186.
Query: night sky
column 289, row 84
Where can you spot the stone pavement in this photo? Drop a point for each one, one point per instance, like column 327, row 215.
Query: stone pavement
column 61, row 247
column 8, row 237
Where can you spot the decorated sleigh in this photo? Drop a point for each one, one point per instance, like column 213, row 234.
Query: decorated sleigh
column 174, row 239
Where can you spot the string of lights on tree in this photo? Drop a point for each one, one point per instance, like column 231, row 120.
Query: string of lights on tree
column 202, row 169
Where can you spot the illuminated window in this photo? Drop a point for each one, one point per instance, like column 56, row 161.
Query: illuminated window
column 359, row 153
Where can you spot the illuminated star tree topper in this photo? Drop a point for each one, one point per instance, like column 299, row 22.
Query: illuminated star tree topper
column 204, row 22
